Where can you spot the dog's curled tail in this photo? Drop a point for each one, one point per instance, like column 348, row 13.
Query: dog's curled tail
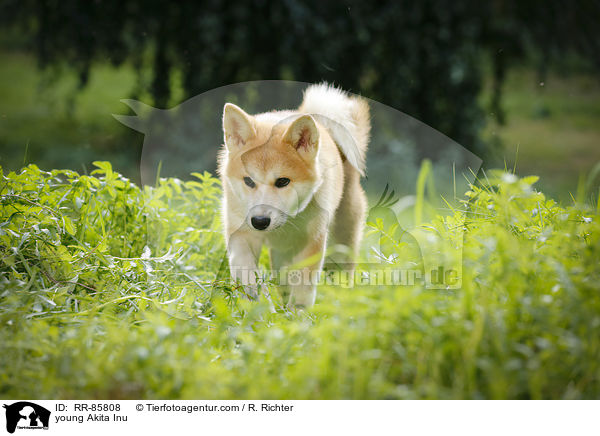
column 346, row 117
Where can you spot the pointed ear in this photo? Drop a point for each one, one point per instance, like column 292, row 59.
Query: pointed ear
column 238, row 126
column 303, row 135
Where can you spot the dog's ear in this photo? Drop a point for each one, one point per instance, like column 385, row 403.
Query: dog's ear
column 238, row 127
column 303, row 135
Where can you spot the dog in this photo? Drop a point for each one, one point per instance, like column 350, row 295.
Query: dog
column 291, row 181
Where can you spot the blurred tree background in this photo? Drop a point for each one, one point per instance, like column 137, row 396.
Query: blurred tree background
column 65, row 65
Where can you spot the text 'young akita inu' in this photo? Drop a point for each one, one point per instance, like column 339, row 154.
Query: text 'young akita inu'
column 291, row 180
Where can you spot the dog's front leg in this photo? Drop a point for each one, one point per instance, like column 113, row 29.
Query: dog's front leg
column 243, row 251
column 302, row 281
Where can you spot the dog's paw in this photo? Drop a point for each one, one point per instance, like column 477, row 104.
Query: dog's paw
column 302, row 296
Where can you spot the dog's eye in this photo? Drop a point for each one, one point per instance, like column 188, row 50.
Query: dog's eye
column 281, row 182
column 249, row 182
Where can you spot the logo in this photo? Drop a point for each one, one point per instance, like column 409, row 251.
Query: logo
column 26, row 415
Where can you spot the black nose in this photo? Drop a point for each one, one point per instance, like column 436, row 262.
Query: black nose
column 260, row 222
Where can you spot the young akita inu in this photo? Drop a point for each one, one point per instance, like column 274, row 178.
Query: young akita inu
column 291, row 180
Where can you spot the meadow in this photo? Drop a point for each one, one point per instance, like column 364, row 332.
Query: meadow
column 109, row 290
column 551, row 128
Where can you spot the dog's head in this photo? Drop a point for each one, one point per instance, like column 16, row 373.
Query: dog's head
column 270, row 164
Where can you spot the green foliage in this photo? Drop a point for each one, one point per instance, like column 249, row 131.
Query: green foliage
column 112, row 291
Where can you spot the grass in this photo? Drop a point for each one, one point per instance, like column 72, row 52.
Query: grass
column 108, row 290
